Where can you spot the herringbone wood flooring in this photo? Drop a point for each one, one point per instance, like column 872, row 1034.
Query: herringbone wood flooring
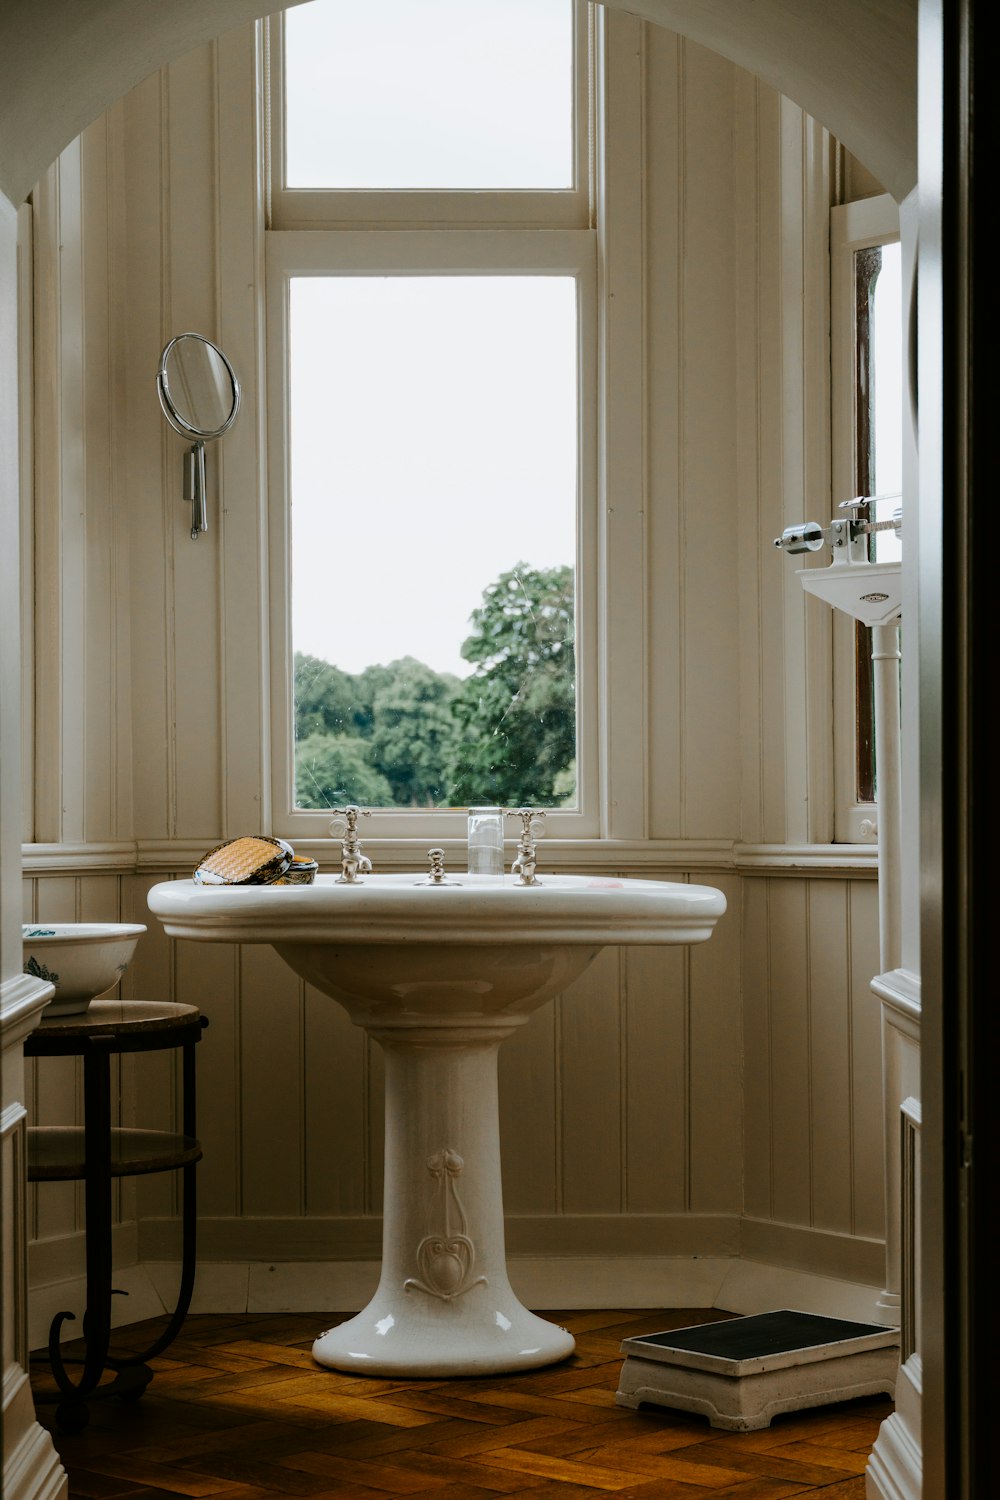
column 239, row 1410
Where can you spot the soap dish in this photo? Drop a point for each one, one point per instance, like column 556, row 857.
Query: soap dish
column 301, row 871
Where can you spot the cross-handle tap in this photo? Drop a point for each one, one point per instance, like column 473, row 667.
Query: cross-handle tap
column 344, row 825
column 532, row 828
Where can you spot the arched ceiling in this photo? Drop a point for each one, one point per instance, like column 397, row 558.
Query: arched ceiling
column 850, row 63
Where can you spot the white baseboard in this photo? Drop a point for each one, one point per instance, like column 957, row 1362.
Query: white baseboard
column 33, row 1471
column 752, row 1287
column 358, row 1237
column 31, row 1466
column 142, row 1300
column 541, row 1282
column 895, row 1465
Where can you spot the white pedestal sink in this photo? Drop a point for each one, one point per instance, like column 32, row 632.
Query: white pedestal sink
column 440, row 975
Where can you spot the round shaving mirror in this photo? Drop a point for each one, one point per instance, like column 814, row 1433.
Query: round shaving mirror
column 200, row 397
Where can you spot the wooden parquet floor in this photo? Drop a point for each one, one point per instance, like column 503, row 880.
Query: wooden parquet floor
column 238, row 1410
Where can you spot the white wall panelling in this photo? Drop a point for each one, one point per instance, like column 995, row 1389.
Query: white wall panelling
column 81, row 682
column 623, row 696
column 628, row 1108
column 31, row 1467
column 782, row 215
column 671, row 1104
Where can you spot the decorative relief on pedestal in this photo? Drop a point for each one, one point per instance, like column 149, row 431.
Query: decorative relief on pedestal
column 447, row 1256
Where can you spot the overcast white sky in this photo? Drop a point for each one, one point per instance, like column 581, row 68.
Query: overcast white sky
column 887, row 345
column 444, row 94
column 434, row 445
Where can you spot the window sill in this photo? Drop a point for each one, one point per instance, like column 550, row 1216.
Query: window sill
column 622, row 856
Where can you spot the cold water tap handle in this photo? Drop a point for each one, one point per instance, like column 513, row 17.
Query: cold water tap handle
column 532, row 828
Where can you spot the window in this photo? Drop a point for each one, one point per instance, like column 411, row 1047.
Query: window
column 867, row 440
column 432, row 336
column 375, row 92
column 453, row 111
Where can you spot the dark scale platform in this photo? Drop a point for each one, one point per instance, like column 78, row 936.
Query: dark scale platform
column 741, row 1372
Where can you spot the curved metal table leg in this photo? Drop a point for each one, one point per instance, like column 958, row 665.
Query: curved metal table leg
column 132, row 1372
column 189, row 1219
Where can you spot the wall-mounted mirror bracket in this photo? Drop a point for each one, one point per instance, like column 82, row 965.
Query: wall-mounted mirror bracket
column 195, row 487
column 200, row 396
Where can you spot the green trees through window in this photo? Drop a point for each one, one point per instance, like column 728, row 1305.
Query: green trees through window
column 403, row 735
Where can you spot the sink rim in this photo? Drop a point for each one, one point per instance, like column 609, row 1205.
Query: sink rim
column 392, row 908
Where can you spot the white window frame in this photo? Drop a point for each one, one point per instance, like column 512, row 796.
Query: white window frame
column 305, row 208
column 853, row 226
column 606, row 253
column 294, row 253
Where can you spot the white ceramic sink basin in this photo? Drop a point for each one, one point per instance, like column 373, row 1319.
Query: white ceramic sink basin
column 391, row 948
column 440, row 975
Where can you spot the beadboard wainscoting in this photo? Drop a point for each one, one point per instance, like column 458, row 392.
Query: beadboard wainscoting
column 681, row 1119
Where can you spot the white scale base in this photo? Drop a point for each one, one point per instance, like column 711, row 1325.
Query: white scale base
column 741, row 1372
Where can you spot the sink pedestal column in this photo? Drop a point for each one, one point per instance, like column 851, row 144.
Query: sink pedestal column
column 444, row 1305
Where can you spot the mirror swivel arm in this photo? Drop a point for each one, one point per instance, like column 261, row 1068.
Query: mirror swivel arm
column 195, row 488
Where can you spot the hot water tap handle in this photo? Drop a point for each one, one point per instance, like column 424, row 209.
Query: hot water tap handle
column 344, row 826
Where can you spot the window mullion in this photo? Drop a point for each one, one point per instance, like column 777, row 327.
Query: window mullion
column 623, row 627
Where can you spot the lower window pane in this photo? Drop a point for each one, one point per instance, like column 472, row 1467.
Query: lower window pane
column 434, row 482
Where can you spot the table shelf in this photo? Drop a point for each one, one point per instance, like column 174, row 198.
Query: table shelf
column 58, row 1153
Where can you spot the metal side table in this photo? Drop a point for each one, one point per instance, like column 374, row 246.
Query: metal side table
column 98, row 1152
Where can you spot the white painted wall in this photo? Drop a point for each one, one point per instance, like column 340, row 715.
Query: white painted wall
column 671, row 1104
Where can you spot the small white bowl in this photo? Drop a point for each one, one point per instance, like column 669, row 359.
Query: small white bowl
column 84, row 960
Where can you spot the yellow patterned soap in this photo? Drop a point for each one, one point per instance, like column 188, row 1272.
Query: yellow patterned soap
column 256, row 860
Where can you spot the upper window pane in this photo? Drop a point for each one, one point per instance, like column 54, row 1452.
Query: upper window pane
column 444, row 95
